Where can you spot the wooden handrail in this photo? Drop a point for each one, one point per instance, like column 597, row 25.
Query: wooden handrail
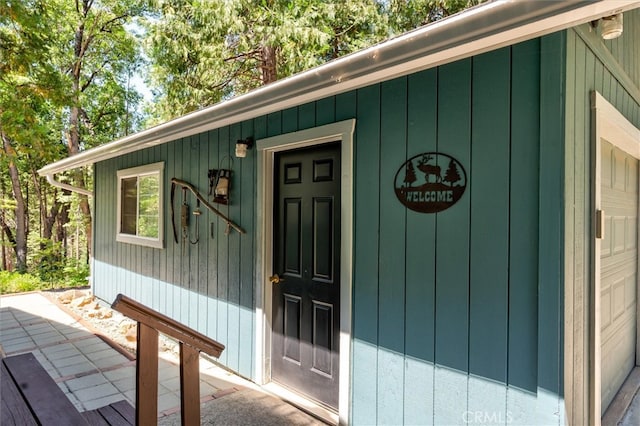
column 150, row 324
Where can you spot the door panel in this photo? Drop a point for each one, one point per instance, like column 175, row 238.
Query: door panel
column 306, row 302
column 323, row 239
column 292, row 317
column 292, row 237
column 322, row 337
column 618, row 269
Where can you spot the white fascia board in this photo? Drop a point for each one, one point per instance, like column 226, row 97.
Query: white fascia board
column 477, row 30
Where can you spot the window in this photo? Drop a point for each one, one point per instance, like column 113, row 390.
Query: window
column 140, row 205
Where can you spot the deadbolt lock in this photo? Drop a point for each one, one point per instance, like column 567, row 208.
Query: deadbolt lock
column 275, row 279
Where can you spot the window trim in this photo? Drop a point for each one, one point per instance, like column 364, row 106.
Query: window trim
column 147, row 169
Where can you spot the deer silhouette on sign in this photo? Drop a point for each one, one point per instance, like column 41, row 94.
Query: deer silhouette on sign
column 429, row 169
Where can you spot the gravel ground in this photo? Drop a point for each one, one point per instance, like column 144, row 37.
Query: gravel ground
column 104, row 320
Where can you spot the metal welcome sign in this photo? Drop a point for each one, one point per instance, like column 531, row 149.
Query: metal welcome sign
column 430, row 182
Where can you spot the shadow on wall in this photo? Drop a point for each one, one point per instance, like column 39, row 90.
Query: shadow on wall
column 427, row 393
column 220, row 315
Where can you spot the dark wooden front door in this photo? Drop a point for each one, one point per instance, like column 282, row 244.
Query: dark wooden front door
column 306, row 301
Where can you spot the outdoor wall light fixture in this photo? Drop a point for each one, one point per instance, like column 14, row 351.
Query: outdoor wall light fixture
column 610, row 26
column 242, row 145
column 219, row 183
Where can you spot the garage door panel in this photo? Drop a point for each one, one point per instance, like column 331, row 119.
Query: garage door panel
column 632, row 236
column 631, row 291
column 605, row 312
column 605, row 245
column 618, row 269
column 619, row 170
column 619, row 227
column 618, row 299
column 606, row 167
column 632, row 183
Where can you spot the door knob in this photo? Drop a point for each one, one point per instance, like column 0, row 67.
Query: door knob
column 275, row 279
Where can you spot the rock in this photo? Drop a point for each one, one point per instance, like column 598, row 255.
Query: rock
column 132, row 334
column 83, row 301
column 67, row 296
column 125, row 327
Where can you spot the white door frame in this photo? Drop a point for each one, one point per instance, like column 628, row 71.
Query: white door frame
column 611, row 125
column 267, row 148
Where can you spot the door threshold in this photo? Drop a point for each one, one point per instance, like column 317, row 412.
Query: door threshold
column 309, row 406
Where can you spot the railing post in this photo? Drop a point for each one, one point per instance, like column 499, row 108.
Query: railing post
column 189, row 385
column 147, row 376
column 150, row 324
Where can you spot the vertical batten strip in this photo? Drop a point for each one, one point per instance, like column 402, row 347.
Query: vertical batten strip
column 247, row 195
column 213, row 235
column 366, row 242
column 452, row 260
column 391, row 304
column 235, row 209
column 223, row 254
column 489, row 238
column 420, row 260
column 551, row 230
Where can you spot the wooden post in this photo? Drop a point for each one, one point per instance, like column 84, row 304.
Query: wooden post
column 150, row 324
column 147, row 376
column 189, row 385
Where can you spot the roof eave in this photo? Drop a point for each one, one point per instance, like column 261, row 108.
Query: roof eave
column 469, row 33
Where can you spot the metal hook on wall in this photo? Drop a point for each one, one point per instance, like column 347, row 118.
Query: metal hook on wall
column 186, row 185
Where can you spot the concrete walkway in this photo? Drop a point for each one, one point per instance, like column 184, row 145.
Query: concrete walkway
column 93, row 374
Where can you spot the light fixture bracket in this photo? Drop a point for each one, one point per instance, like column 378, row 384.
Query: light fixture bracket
column 611, row 26
column 242, row 145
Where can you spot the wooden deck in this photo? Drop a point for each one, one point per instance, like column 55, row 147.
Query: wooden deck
column 29, row 396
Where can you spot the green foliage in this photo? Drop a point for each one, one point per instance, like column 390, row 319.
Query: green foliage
column 13, row 282
column 76, row 274
column 202, row 52
column 206, row 51
column 48, row 262
column 65, row 86
column 65, row 71
column 405, row 15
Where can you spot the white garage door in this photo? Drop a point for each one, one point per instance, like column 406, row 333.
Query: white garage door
column 618, row 268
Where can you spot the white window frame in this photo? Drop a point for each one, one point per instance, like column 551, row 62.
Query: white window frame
column 141, row 171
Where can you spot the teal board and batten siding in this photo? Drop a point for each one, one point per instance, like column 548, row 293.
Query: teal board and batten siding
column 613, row 69
column 209, row 286
column 452, row 319
column 192, row 285
column 450, row 309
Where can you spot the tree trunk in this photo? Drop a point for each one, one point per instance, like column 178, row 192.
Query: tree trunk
column 63, row 219
column 3, row 245
column 49, row 219
column 6, row 231
column 269, row 67
column 4, row 252
column 7, row 235
column 20, row 245
column 73, row 139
